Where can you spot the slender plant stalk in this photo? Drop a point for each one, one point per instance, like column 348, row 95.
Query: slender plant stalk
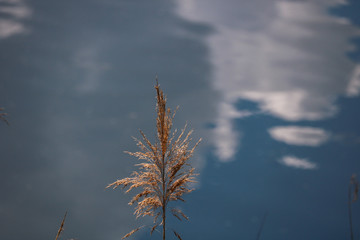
column 61, row 227
column 261, row 226
column 352, row 197
column 350, row 216
column 165, row 173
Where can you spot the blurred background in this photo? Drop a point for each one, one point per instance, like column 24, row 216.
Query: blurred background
column 272, row 87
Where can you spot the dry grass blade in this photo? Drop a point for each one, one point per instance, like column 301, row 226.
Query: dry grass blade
column 165, row 173
column 178, row 214
column 153, row 228
column 3, row 116
column 355, row 183
column 132, row 232
column 177, row 235
column 61, row 227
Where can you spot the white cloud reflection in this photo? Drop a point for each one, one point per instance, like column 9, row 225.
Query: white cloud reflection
column 354, row 85
column 288, row 56
column 14, row 12
column 294, row 162
column 300, row 136
column 226, row 140
column 92, row 68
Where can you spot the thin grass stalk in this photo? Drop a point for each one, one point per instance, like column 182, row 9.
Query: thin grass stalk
column 261, row 227
column 61, row 229
column 161, row 109
column 352, row 197
column 350, row 215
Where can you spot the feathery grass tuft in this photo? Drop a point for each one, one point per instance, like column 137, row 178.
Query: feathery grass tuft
column 165, row 172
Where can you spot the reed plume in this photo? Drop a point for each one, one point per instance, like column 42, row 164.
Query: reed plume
column 165, row 173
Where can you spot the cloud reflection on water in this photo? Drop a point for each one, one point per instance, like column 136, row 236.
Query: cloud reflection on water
column 301, row 136
column 287, row 56
column 13, row 12
column 294, row 162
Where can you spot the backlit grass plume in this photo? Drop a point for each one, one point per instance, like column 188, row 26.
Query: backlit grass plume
column 164, row 174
